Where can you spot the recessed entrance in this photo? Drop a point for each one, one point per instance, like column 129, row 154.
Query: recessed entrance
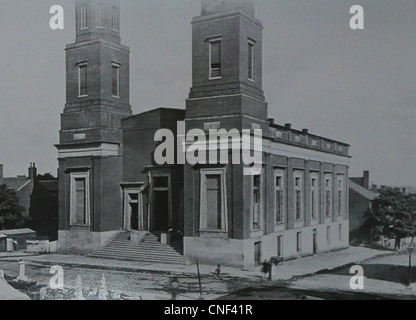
column 133, row 209
column 161, row 207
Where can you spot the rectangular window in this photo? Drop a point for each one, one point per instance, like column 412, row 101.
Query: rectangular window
column 215, row 59
column 84, row 16
column 99, row 15
column 299, row 242
column 280, row 246
column 213, row 201
column 340, row 202
column 314, row 196
column 251, row 53
column 299, row 196
column 256, row 201
column 116, row 80
column 79, row 199
column 328, row 235
column 115, row 23
column 328, row 197
column 83, row 80
column 280, row 197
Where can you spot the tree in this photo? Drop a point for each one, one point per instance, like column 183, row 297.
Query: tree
column 10, row 209
column 395, row 215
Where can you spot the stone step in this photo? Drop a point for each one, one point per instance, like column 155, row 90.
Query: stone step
column 132, row 251
column 139, row 254
column 141, row 259
column 140, row 246
column 149, row 250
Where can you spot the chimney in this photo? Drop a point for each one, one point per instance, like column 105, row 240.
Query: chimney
column 305, row 131
column 33, row 171
column 1, row 173
column 288, row 126
column 366, row 179
column 374, row 188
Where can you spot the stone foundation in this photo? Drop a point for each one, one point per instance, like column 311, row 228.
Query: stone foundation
column 83, row 241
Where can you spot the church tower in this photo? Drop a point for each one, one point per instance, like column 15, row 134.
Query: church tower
column 90, row 148
column 227, row 65
column 226, row 94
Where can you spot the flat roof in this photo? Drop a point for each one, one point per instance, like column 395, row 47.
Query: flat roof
column 17, row 231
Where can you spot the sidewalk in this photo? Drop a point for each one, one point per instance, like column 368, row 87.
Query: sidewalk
column 338, row 283
column 285, row 271
column 327, row 261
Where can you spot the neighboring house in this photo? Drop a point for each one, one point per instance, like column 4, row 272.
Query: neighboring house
column 108, row 179
column 361, row 201
column 22, row 185
column 20, row 236
column 38, row 195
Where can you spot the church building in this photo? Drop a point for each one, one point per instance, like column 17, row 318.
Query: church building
column 116, row 201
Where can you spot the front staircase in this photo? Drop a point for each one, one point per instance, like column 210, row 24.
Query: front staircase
column 149, row 250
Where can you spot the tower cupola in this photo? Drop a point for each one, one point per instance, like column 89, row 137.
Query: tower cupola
column 98, row 19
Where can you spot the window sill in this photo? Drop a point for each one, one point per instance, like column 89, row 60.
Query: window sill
column 215, row 78
column 252, row 80
column 219, row 234
column 85, row 96
column 314, row 222
column 116, row 97
column 213, row 231
column 279, row 227
column 299, row 224
column 257, row 233
column 79, row 226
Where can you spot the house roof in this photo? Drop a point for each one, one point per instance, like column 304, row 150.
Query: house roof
column 368, row 194
column 17, row 231
column 2, row 235
column 17, row 183
column 50, row 185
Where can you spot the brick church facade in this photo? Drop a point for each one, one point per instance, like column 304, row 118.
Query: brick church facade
column 109, row 181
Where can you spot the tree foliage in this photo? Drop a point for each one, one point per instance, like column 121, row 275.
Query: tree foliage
column 395, row 214
column 10, row 209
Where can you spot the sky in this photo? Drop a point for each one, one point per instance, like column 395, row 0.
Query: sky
column 356, row 86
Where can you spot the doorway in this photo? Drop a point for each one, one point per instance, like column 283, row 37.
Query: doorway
column 161, row 207
column 133, row 210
